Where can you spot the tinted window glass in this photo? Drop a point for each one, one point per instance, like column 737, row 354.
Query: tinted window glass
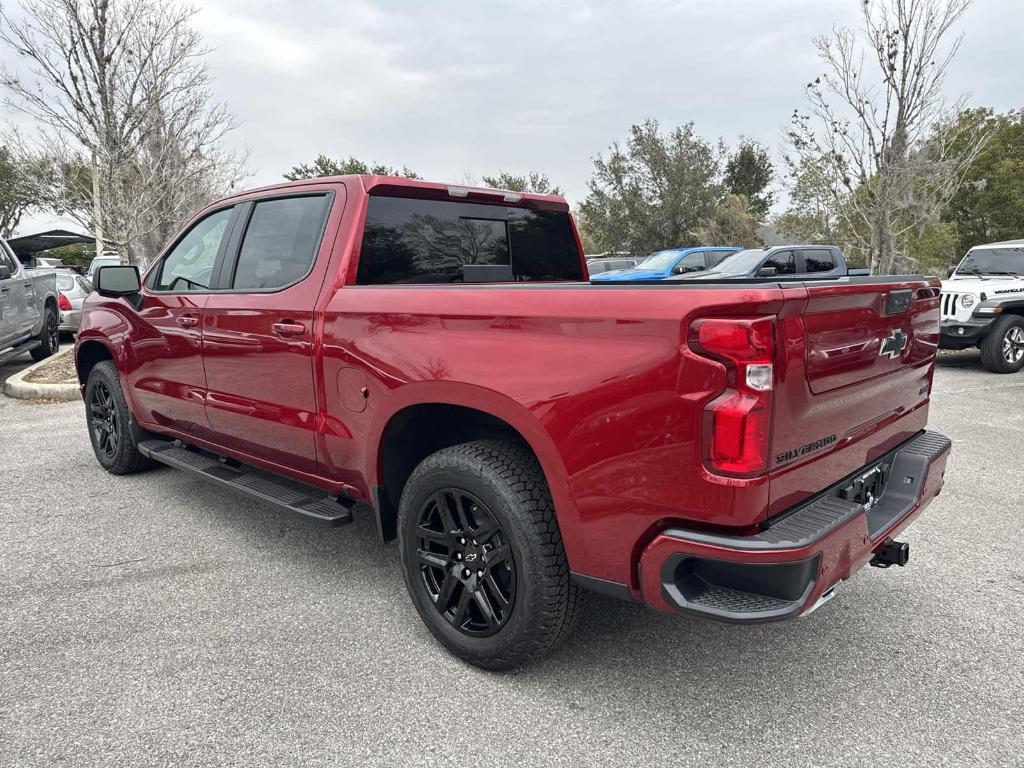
column 783, row 262
column 430, row 241
column 819, row 260
column 691, row 262
column 189, row 267
column 280, row 242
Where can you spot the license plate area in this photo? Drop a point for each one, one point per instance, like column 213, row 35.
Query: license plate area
column 867, row 489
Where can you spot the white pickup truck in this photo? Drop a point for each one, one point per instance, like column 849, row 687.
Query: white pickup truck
column 29, row 317
column 983, row 305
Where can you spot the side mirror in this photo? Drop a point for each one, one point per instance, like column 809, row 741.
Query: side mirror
column 5, row 272
column 113, row 281
column 767, row 272
column 678, row 269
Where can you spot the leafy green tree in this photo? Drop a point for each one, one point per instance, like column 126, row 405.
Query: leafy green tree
column 989, row 204
column 655, row 192
column 733, row 223
column 533, row 182
column 749, row 172
column 328, row 166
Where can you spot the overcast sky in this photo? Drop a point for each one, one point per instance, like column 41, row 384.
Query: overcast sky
column 455, row 89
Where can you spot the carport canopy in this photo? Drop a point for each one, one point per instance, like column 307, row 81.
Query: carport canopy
column 24, row 247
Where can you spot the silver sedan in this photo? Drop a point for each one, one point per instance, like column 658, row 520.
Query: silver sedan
column 73, row 289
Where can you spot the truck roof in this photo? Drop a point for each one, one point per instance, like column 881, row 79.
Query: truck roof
column 1000, row 244
column 434, row 188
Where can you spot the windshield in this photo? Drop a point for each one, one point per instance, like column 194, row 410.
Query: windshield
column 659, row 260
column 993, row 261
column 740, row 263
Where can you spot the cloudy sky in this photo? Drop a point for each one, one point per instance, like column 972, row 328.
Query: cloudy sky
column 455, row 88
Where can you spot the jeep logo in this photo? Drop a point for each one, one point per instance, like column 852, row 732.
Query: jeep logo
column 893, row 344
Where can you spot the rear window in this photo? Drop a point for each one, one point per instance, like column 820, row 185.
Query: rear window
column 65, row 283
column 408, row 240
column 819, row 260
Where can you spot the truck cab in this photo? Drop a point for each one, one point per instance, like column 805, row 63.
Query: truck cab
column 29, row 314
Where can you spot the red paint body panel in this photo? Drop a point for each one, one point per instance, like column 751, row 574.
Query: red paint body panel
column 601, row 381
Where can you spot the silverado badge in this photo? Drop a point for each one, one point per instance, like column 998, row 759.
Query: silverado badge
column 893, row 344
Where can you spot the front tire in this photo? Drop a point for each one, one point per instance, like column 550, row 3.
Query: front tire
column 482, row 554
column 110, row 422
column 49, row 336
column 1002, row 350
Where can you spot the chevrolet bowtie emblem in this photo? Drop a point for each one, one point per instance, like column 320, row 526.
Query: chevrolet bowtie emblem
column 893, row 344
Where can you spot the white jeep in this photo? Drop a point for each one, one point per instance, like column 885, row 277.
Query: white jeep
column 983, row 305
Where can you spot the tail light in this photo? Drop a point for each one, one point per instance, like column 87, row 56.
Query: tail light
column 64, row 303
column 737, row 423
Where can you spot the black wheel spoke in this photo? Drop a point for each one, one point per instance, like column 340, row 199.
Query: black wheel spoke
column 496, row 556
column 432, row 558
column 462, row 607
column 444, row 596
column 444, row 539
column 445, row 512
column 496, row 592
column 485, row 607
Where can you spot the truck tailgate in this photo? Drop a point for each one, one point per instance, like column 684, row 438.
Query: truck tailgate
column 856, row 362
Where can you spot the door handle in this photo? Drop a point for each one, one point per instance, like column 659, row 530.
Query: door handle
column 187, row 321
column 288, row 328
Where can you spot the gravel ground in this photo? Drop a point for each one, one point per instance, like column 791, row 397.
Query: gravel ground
column 156, row 620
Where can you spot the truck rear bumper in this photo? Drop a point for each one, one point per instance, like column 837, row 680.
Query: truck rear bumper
column 786, row 568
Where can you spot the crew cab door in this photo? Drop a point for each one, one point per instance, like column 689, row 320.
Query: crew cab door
column 9, row 298
column 260, row 328
column 167, row 381
column 19, row 298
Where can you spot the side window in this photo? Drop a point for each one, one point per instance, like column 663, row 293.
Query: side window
column 691, row 262
column 783, row 262
column 189, row 266
column 280, row 242
column 819, row 260
column 7, row 261
column 714, row 258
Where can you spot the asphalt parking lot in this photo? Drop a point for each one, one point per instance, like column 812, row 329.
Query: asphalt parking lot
column 155, row 620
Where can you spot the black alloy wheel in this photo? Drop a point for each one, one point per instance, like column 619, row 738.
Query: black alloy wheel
column 103, row 420
column 465, row 562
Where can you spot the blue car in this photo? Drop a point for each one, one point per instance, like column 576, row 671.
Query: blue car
column 663, row 264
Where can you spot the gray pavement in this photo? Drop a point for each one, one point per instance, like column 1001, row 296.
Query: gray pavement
column 155, row 620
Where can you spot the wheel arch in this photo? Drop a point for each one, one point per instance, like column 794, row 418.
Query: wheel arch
column 89, row 353
column 430, row 416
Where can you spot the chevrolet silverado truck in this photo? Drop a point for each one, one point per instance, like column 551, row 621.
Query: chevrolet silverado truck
column 435, row 357
column 983, row 305
column 29, row 313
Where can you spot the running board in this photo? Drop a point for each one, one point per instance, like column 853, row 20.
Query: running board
column 309, row 502
column 20, row 348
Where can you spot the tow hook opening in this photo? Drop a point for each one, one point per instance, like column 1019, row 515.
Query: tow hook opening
column 891, row 553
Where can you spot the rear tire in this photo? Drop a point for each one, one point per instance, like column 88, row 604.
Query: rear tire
column 1002, row 350
column 110, row 422
column 499, row 538
column 49, row 337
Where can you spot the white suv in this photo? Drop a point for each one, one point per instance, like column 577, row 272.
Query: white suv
column 983, row 305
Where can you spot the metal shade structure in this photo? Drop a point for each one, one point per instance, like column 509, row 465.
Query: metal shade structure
column 24, row 247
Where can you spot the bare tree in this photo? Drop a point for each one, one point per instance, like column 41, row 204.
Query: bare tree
column 119, row 89
column 879, row 125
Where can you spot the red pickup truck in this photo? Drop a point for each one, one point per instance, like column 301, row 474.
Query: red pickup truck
column 729, row 450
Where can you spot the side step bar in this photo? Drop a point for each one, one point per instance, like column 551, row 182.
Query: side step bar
column 311, row 503
column 21, row 347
